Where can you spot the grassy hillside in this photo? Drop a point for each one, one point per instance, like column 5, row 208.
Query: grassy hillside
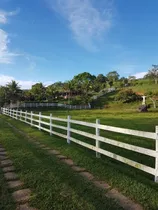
column 140, row 86
column 145, row 86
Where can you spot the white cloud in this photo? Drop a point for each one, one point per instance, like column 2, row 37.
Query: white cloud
column 87, row 23
column 47, row 83
column 24, row 84
column 6, row 56
column 140, row 74
column 4, row 15
column 4, row 79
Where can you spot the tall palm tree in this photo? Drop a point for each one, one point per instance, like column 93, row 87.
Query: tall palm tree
column 13, row 91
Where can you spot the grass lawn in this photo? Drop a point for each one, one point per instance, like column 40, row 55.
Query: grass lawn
column 120, row 116
column 53, row 184
column 134, row 183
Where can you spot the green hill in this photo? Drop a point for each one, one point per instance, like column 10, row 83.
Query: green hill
column 146, row 87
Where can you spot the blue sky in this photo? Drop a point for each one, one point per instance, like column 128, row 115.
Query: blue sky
column 53, row 40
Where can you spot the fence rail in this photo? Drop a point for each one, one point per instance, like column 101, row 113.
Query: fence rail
column 37, row 120
column 36, row 105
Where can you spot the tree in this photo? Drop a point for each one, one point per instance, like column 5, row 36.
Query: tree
column 59, row 89
column 123, row 82
column 153, row 73
column 101, row 78
column 2, row 95
column 51, row 92
column 27, row 95
column 13, row 91
column 84, row 77
column 82, row 81
column 69, row 88
column 113, row 76
column 131, row 78
column 84, row 84
column 38, row 90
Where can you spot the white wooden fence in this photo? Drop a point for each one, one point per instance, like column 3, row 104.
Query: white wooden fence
column 44, row 104
column 37, row 120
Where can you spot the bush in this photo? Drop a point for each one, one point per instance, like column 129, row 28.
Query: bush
column 127, row 96
column 77, row 100
column 153, row 93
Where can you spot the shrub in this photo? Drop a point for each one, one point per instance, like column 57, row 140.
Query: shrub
column 151, row 93
column 127, row 96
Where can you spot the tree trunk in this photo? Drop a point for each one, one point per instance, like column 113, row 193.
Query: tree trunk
column 154, row 102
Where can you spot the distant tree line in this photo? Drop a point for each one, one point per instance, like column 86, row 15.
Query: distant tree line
column 79, row 90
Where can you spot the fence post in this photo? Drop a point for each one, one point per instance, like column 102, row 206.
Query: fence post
column 31, row 118
column 68, row 129
column 50, row 124
column 39, row 121
column 16, row 114
column 97, row 134
column 20, row 115
column 25, row 116
column 156, row 158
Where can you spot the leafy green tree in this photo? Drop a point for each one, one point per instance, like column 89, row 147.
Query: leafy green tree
column 153, row 73
column 27, row 95
column 38, row 91
column 113, row 76
column 3, row 96
column 101, row 78
column 99, row 83
column 84, row 84
column 69, row 88
column 51, row 92
column 123, row 82
column 85, row 76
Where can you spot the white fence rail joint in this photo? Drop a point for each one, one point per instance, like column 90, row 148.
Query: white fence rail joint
column 49, row 126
